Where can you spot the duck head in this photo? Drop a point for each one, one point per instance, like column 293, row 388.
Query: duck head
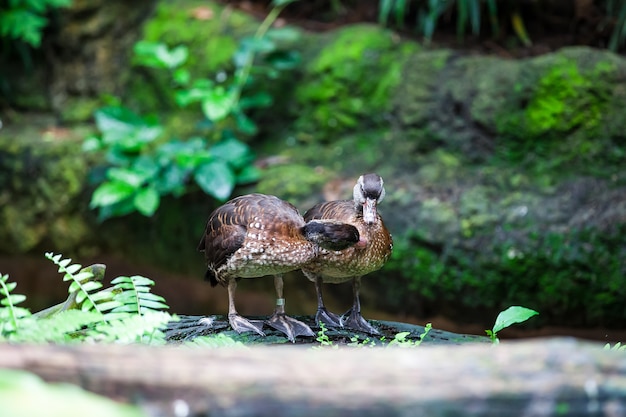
column 368, row 192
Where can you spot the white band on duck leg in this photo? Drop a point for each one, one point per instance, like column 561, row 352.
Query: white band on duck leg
column 280, row 301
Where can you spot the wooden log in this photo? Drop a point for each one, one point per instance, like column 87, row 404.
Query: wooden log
column 531, row 378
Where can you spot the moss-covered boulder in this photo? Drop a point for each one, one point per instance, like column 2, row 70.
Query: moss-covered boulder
column 349, row 76
column 504, row 185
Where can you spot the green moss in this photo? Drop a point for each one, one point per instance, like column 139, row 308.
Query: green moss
column 79, row 109
column 563, row 99
column 350, row 81
column 573, row 278
column 294, row 181
column 40, row 182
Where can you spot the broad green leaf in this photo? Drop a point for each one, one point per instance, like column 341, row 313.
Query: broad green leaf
column 147, row 201
column 218, row 104
column 129, row 176
column 181, row 76
column 232, row 151
column 512, row 315
column 284, row 60
column 172, row 58
column 199, row 90
column 245, row 124
column 111, row 192
column 261, row 99
column 216, row 179
column 284, row 34
column 91, row 143
column 258, row 45
column 172, row 180
column 146, row 54
column 248, row 174
column 123, row 128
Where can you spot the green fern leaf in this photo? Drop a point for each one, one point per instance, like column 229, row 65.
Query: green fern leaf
column 59, row 328
column 134, row 329
column 10, row 314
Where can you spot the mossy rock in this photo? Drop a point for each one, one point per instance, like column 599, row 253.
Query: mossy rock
column 41, row 180
column 349, row 77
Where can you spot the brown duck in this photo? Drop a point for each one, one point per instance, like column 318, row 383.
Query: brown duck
column 368, row 255
column 256, row 235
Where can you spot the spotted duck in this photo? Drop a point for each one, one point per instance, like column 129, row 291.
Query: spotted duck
column 256, row 235
column 368, row 255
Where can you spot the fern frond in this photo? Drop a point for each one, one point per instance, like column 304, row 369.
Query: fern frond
column 82, row 283
column 135, row 297
column 10, row 314
column 63, row 327
column 135, row 328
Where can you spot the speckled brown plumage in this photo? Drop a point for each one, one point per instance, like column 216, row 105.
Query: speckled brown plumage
column 369, row 255
column 256, row 235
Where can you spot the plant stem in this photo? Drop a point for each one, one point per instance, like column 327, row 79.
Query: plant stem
column 260, row 32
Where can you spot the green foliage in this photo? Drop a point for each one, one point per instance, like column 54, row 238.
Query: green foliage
column 10, row 313
column 400, row 339
column 124, row 313
column 18, row 389
column 576, row 275
column 508, row 317
column 618, row 347
column 471, row 13
column 323, row 339
column 145, row 165
column 557, row 121
column 25, row 20
column 338, row 94
column 563, row 101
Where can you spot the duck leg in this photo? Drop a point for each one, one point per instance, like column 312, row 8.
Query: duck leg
column 283, row 323
column 355, row 320
column 239, row 323
column 323, row 315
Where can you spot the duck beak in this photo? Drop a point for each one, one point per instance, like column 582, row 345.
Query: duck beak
column 369, row 211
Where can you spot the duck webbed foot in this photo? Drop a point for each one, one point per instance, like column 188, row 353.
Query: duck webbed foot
column 291, row 327
column 355, row 321
column 241, row 324
column 328, row 318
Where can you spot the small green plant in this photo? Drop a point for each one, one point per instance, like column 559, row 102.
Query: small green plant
column 144, row 165
column 124, row 313
column 323, row 339
column 506, row 318
column 25, row 20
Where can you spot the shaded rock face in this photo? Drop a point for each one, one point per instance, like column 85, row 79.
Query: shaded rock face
column 504, row 185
